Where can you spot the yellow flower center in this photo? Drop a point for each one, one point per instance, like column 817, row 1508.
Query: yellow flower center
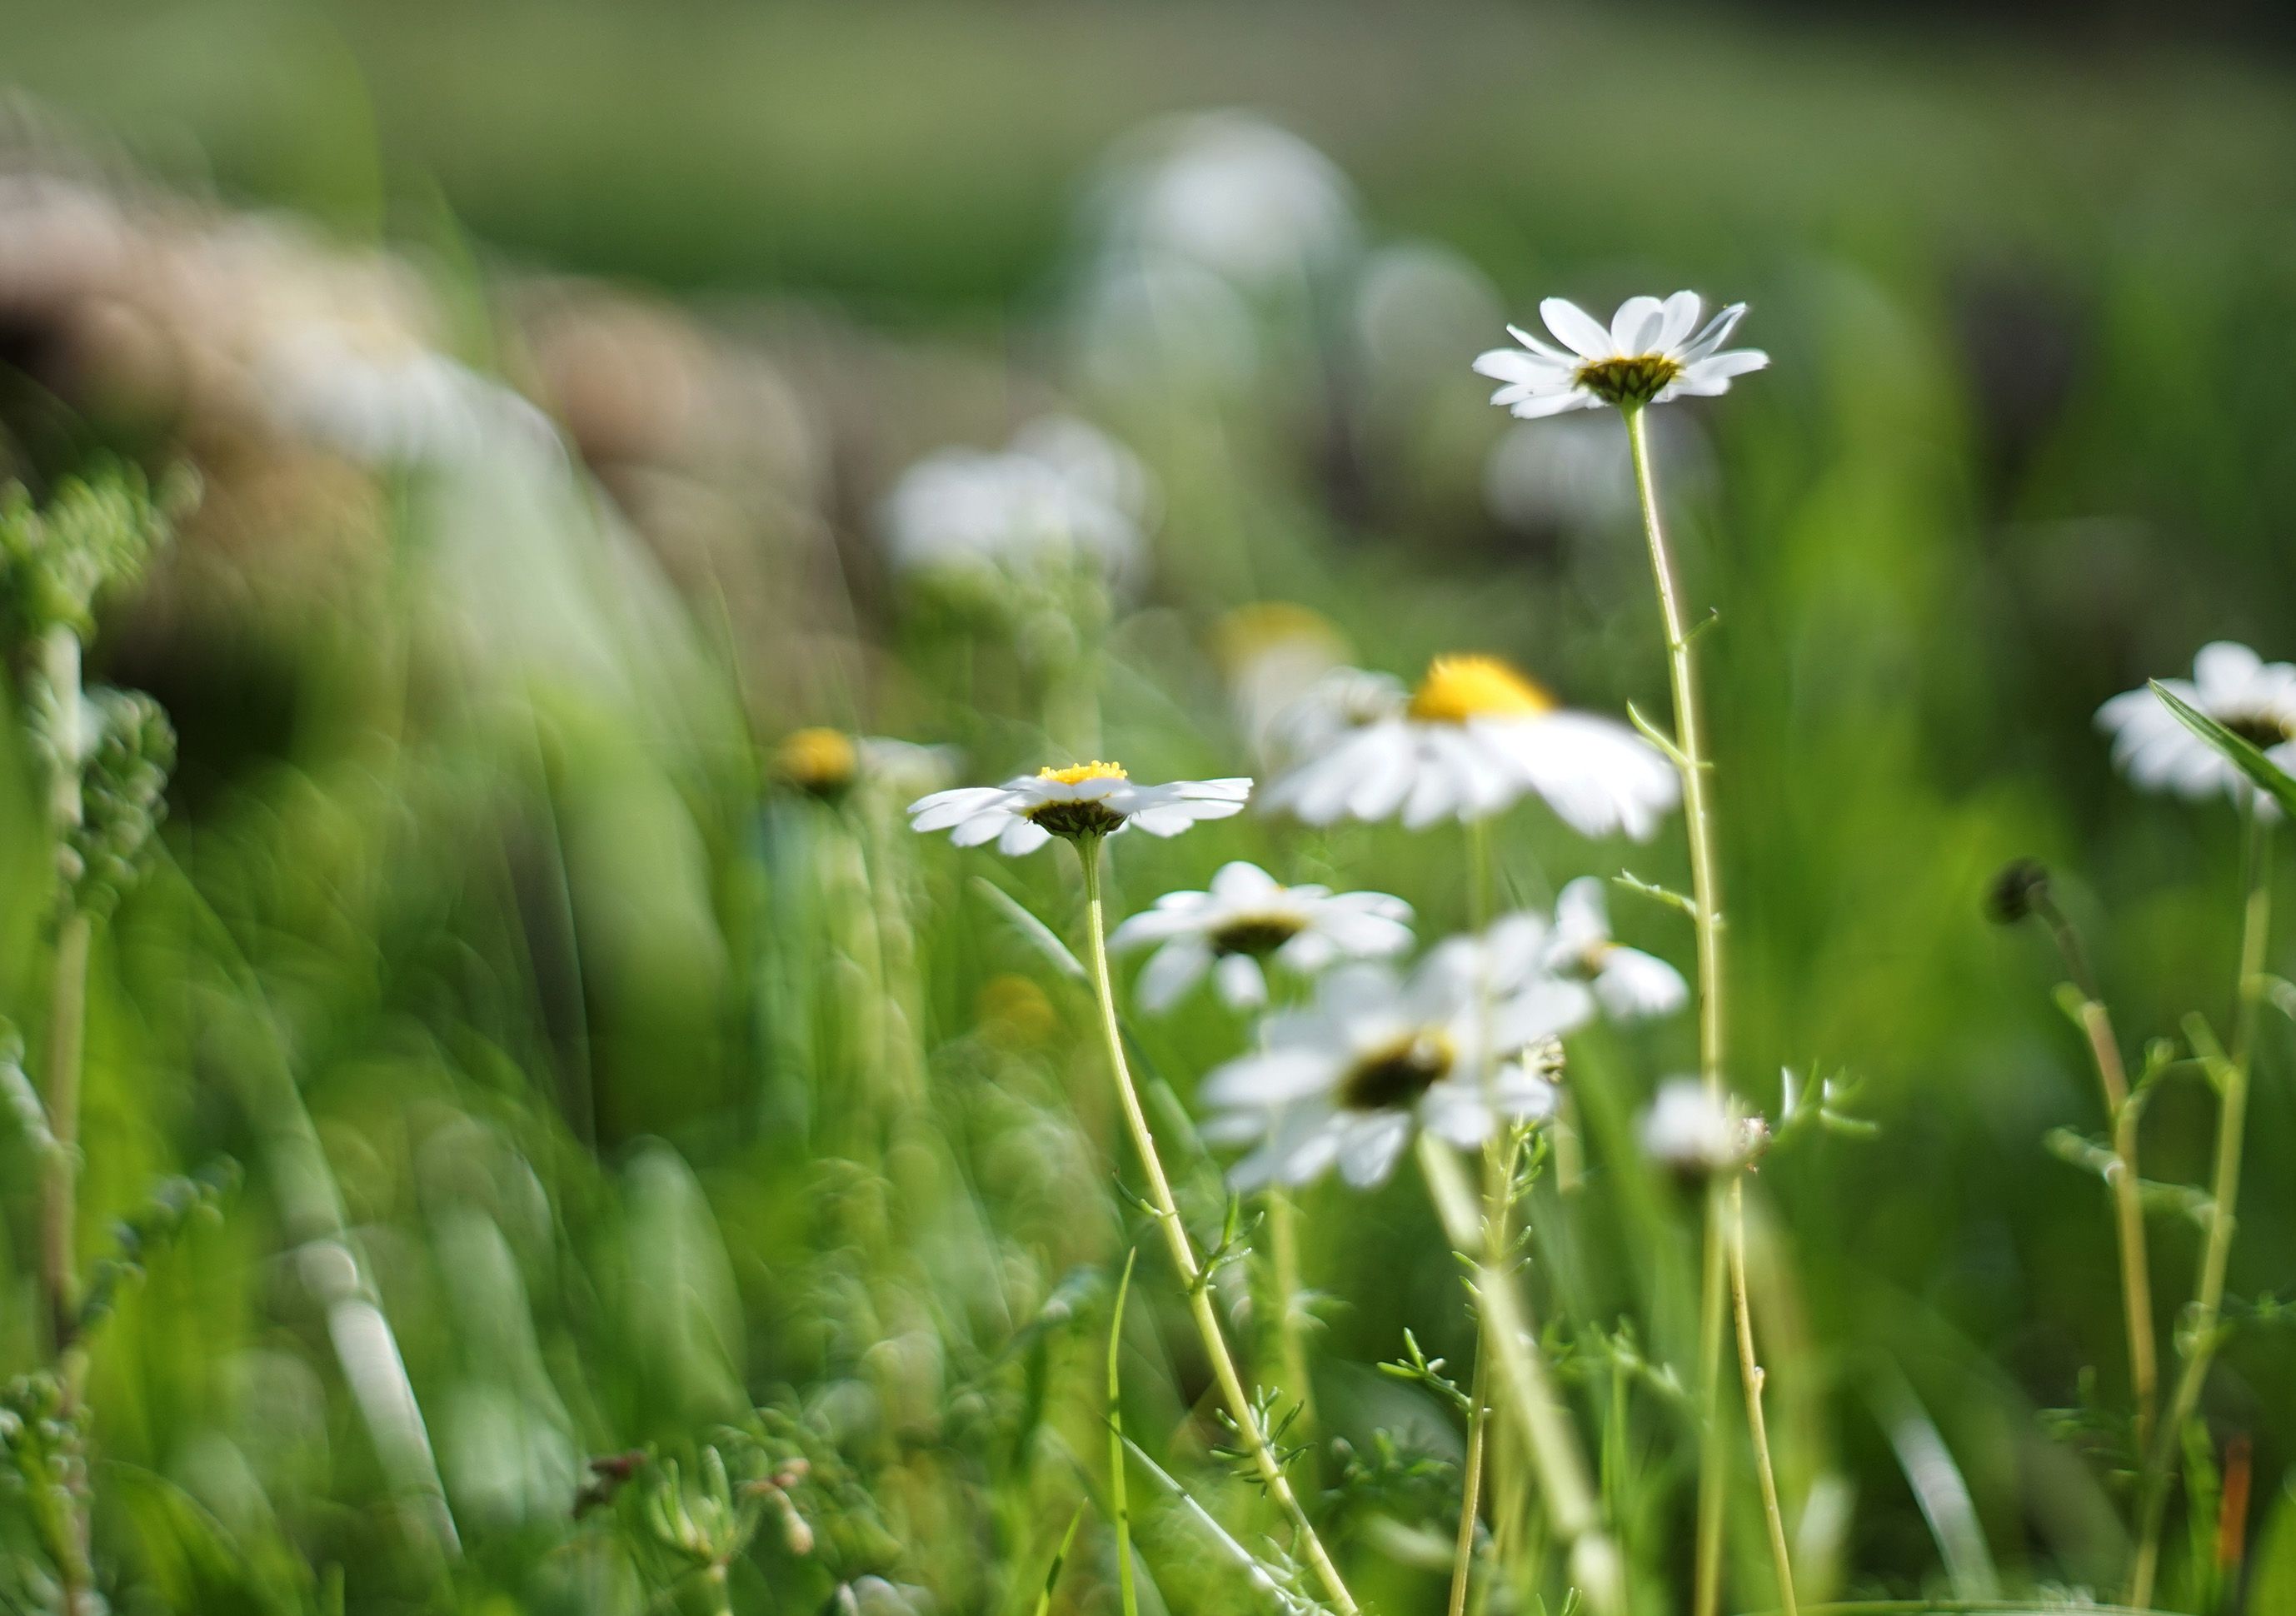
column 1462, row 687
column 1076, row 774
column 822, row 761
column 1630, row 381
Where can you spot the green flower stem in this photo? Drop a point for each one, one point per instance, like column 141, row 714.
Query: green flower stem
column 1284, row 1298
column 1531, row 1401
column 1750, row 1373
column 1691, row 762
column 1480, row 899
column 2231, row 1072
column 1192, row 1278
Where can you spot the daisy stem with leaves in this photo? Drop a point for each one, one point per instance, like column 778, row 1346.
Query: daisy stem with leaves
column 2229, row 1072
column 2024, row 889
column 1688, row 748
column 1192, row 1277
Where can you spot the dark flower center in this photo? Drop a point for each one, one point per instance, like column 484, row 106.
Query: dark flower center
column 1395, row 1075
column 2258, row 729
column 1627, row 382
column 1076, row 819
column 1258, row 935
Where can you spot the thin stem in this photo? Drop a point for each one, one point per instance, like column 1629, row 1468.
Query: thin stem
column 1118, row 1504
column 1531, row 1401
column 1470, row 1485
column 2231, row 1119
column 1706, row 893
column 2128, row 1195
column 1192, row 1278
column 1750, row 1372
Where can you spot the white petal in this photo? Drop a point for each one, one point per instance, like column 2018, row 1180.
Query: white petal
column 1170, row 972
column 1716, row 333
column 1454, row 1112
column 1635, row 327
column 1021, row 836
column 1241, row 878
column 1632, row 984
column 984, row 827
column 1372, row 1144
column 1553, row 355
column 1581, row 333
column 1554, row 404
column 1240, row 982
column 1681, row 315
column 1582, row 916
column 2223, row 669
column 1271, row 1078
column 943, row 809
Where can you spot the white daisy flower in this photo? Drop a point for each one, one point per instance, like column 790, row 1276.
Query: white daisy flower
column 1061, row 495
column 1695, row 1131
column 1648, row 355
column 1089, row 800
column 1232, row 192
column 2254, row 699
column 380, row 398
column 1629, row 983
column 1248, row 921
column 1467, row 744
column 1455, row 1048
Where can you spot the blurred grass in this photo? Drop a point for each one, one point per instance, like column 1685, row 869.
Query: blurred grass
column 2025, row 444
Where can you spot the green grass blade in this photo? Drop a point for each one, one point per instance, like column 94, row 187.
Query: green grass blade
column 2243, row 755
column 1059, row 1561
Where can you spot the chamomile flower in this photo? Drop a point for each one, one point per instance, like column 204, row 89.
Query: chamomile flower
column 1697, row 1132
column 1647, row 355
column 2254, row 699
column 1085, row 802
column 1248, row 921
column 1467, row 743
column 1629, row 983
column 1457, row 1047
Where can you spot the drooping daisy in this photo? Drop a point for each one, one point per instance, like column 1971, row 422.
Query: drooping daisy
column 1629, row 983
column 1697, row 1132
column 1086, row 802
column 1248, row 921
column 2254, row 699
column 1647, row 355
column 1062, row 495
column 1378, row 1055
column 1467, row 743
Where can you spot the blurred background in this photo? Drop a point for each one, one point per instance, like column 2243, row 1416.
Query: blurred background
column 547, row 370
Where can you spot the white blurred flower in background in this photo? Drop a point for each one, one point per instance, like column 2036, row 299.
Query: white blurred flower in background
column 1629, row 983
column 1576, row 474
column 1232, row 192
column 371, row 394
column 1062, row 496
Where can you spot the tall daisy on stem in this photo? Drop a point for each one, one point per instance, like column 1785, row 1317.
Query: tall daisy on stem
column 2230, row 728
column 1655, row 351
column 1085, row 806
